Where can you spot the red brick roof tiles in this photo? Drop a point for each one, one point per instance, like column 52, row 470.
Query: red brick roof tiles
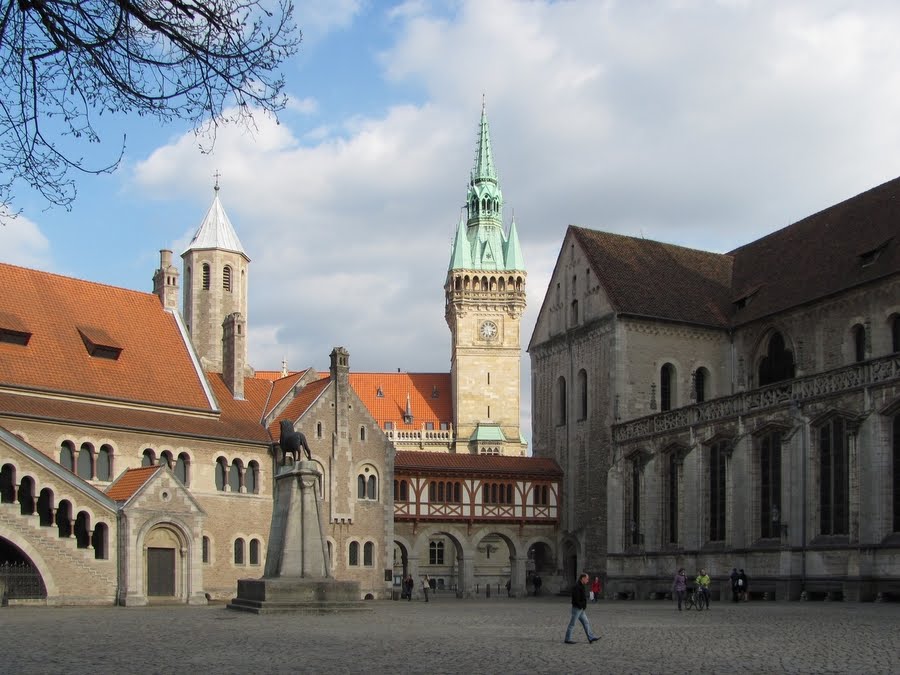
column 299, row 405
column 430, row 397
column 130, row 482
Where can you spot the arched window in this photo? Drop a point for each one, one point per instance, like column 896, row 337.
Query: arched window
column 436, row 553
column 354, row 554
column 226, row 284
column 82, row 530
column 86, row 461
column 700, row 384
column 561, row 401
column 254, row 551
column 206, row 276
column 221, row 473
column 181, row 468
column 717, row 489
column 234, row 476
column 582, row 394
column 574, row 313
column 64, row 518
column 401, row 491
column 26, row 496
column 67, row 455
column 777, row 364
column 666, row 387
column 251, row 478
column 165, row 459
column 148, row 458
column 369, row 554
column 238, row 551
column 360, row 487
column 371, row 488
column 859, row 342
column 104, row 463
column 8, row 484
column 204, row 551
column 100, row 541
column 367, row 485
column 45, row 507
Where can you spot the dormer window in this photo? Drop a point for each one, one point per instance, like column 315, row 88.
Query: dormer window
column 745, row 299
column 434, row 392
column 869, row 257
column 13, row 330
column 379, row 393
column 98, row 343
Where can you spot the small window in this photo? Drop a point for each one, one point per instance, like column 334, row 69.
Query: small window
column 221, row 473
column 148, row 458
column 318, row 430
column 85, row 467
column 354, row 554
column 429, row 426
column 859, row 342
column 67, row 455
column 181, row 468
column 205, row 551
column 362, row 434
column 251, row 479
column 254, row 551
column 238, row 551
column 104, row 463
column 226, row 280
column 388, row 426
column 206, row 276
column 369, row 554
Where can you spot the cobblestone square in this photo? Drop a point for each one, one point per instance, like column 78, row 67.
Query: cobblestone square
column 448, row 635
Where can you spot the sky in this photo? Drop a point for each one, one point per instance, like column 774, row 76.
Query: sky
column 701, row 123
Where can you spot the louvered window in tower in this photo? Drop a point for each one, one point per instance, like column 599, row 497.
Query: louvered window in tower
column 226, row 278
column 205, row 276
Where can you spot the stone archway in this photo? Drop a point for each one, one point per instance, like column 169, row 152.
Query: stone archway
column 163, row 564
column 20, row 577
column 452, row 572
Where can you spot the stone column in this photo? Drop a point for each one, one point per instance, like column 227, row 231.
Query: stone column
column 466, row 576
column 517, row 567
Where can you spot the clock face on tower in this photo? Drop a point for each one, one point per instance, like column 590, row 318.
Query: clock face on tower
column 488, row 330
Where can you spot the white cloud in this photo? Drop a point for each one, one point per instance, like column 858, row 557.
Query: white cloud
column 22, row 243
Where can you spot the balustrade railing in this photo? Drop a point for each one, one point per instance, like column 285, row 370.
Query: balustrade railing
column 846, row 378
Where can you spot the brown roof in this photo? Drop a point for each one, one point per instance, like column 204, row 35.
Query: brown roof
column 298, row 405
column 130, row 482
column 820, row 255
column 440, row 462
column 385, row 395
column 154, row 365
column 650, row 278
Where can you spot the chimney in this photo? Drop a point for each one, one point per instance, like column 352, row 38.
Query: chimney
column 165, row 281
column 234, row 340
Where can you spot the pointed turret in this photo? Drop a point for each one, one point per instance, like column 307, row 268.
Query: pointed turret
column 484, row 158
column 512, row 254
column 216, row 231
column 461, row 256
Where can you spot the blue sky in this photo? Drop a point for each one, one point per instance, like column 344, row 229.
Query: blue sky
column 706, row 124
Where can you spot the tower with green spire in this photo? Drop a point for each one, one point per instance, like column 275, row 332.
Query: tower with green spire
column 485, row 299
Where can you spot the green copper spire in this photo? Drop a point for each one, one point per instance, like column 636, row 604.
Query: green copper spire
column 480, row 243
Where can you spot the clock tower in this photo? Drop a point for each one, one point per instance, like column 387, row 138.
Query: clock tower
column 485, row 298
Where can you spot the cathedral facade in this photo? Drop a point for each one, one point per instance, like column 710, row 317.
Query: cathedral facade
column 729, row 410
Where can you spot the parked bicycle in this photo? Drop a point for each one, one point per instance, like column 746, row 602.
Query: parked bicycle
column 696, row 599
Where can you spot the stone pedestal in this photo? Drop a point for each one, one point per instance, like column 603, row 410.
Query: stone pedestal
column 296, row 575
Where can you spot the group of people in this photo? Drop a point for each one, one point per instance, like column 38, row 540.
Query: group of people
column 408, row 583
column 739, row 586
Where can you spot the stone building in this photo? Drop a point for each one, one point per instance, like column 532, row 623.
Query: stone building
column 729, row 410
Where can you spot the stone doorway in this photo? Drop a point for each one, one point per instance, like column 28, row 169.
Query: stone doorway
column 161, row 572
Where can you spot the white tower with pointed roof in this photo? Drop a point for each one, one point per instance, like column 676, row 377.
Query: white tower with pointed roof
column 215, row 285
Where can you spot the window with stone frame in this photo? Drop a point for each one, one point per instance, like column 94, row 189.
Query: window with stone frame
column 105, row 462
column 717, row 485
column 354, row 554
column 778, row 363
column 238, row 551
column 769, row 459
column 701, row 383
column 436, row 553
column 182, row 465
column 672, row 469
column 67, row 455
column 369, row 554
column 221, row 473
column 254, row 551
column 896, row 482
column 666, row 387
column 582, row 394
column 204, row 551
column 206, row 276
column 85, row 467
column 834, row 477
column 859, row 342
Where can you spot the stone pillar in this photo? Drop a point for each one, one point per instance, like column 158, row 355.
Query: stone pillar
column 465, row 588
column 412, row 566
column 517, row 567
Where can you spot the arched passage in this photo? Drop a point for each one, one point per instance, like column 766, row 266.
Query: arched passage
column 20, row 578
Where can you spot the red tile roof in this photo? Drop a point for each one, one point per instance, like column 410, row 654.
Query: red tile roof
column 430, row 397
column 130, row 482
column 154, row 365
column 497, row 465
column 298, row 405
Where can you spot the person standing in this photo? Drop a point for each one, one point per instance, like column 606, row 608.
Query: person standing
column 742, row 586
column 426, row 586
column 735, row 586
column 579, row 605
column 408, row 585
column 595, row 589
column 703, row 582
column 679, row 586
column 537, row 584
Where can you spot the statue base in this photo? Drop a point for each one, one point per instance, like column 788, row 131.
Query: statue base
column 297, row 595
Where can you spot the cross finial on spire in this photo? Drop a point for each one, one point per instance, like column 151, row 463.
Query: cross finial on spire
column 216, row 176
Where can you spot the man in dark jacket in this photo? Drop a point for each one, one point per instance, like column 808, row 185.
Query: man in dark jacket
column 579, row 605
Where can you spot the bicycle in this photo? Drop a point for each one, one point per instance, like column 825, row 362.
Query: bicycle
column 695, row 599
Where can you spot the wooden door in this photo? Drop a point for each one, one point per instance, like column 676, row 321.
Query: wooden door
column 161, row 572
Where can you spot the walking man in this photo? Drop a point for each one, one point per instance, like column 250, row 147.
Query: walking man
column 426, row 586
column 579, row 605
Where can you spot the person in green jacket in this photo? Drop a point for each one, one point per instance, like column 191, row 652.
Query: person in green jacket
column 702, row 582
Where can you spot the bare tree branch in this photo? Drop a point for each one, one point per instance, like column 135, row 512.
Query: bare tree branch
column 63, row 61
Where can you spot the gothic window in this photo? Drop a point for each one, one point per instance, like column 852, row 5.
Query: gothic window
column 104, row 463
column 369, row 554
column 86, row 461
column 717, row 465
column 148, row 457
column 859, row 343
column 834, row 480
column 582, row 395
column 436, row 553
column 254, row 551
column 672, row 465
column 251, row 478
column 204, row 551
column 896, row 486
column 226, row 284
column 777, row 364
column 366, row 485
column 239, row 551
column 635, row 525
column 666, row 387
column 561, row 401
column 701, row 378
column 354, row 554
column 181, row 467
column 770, row 485
column 206, row 276
column 221, row 473
column 67, row 455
